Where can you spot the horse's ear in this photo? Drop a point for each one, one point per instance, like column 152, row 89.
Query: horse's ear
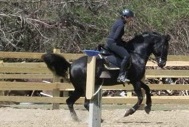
column 168, row 37
column 99, row 47
column 135, row 34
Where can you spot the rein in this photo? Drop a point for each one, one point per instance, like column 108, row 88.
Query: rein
column 139, row 54
column 160, row 57
column 147, row 35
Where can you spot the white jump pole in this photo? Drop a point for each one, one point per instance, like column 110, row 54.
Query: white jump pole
column 95, row 102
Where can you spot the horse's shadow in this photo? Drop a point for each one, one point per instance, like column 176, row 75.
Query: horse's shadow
column 140, row 122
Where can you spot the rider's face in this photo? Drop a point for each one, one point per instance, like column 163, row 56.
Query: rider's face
column 129, row 20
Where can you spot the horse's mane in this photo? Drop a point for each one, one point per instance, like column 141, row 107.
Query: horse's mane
column 138, row 38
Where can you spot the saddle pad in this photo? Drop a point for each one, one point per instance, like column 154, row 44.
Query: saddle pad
column 111, row 67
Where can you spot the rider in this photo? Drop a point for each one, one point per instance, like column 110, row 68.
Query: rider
column 115, row 42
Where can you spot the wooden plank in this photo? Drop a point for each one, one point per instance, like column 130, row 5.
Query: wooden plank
column 33, row 86
column 169, row 58
column 24, row 70
column 30, row 55
column 26, row 76
column 25, row 64
column 155, row 100
column 178, row 58
column 149, row 73
column 152, row 87
column 170, row 99
column 36, row 86
column 118, row 87
column 33, row 99
column 169, row 63
column 69, row 86
column 175, row 57
column 42, row 64
column 169, row 87
column 71, row 56
column 167, row 73
column 105, row 100
column 26, row 86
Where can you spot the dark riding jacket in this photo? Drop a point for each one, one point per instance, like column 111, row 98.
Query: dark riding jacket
column 117, row 31
column 116, row 45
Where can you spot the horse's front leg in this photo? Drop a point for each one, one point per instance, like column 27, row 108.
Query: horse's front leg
column 148, row 98
column 137, row 89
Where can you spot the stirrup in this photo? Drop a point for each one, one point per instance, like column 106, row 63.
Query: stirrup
column 122, row 79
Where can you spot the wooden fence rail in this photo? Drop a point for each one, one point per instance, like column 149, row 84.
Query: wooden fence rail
column 39, row 71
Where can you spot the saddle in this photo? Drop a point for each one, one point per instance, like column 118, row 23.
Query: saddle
column 111, row 61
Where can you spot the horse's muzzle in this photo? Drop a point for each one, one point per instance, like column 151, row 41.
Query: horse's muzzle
column 161, row 62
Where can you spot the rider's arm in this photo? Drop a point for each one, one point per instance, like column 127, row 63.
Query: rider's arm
column 117, row 35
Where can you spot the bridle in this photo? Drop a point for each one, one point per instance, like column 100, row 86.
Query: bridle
column 161, row 55
column 155, row 43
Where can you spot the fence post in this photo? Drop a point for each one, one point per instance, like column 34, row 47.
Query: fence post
column 95, row 102
column 56, row 92
column 1, row 91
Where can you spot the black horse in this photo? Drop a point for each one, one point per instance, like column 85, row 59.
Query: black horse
column 140, row 48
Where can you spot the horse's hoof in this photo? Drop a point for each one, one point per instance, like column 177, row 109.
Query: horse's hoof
column 147, row 109
column 129, row 112
column 75, row 118
column 126, row 114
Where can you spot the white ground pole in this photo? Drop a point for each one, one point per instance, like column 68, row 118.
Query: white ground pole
column 95, row 102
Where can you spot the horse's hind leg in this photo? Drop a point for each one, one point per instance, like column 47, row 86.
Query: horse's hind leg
column 148, row 97
column 70, row 102
column 138, row 91
column 86, row 104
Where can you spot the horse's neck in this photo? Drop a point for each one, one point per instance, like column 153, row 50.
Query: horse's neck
column 141, row 53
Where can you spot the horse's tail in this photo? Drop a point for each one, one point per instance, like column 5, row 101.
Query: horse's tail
column 56, row 63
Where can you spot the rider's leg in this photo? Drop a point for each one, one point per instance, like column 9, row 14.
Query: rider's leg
column 123, row 70
column 122, row 52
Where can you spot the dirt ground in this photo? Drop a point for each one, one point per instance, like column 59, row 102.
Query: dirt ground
column 41, row 116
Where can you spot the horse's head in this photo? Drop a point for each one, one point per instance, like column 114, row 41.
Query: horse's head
column 160, row 49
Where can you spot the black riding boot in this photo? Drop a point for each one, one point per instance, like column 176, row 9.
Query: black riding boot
column 123, row 77
column 123, row 71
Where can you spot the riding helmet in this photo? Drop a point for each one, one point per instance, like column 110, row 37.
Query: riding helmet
column 127, row 13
